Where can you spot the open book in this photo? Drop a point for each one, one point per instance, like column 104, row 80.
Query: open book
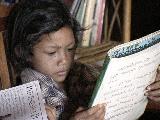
column 22, row 102
column 128, row 69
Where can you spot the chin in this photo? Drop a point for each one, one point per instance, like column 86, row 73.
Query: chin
column 60, row 79
column 60, row 83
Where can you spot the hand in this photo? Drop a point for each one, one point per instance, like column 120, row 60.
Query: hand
column 153, row 90
column 51, row 113
column 95, row 113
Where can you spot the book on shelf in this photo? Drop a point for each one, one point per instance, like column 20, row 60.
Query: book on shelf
column 96, row 35
column 75, row 7
column 81, row 12
column 128, row 69
column 88, row 22
column 23, row 102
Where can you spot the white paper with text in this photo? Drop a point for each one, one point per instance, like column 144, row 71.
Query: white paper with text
column 23, row 102
column 124, row 83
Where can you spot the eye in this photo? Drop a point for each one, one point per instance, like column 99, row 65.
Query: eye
column 72, row 48
column 51, row 53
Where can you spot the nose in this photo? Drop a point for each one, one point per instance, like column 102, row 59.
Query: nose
column 63, row 58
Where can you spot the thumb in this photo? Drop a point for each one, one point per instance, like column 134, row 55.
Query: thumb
column 51, row 112
column 80, row 109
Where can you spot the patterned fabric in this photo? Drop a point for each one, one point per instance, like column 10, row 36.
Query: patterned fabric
column 53, row 95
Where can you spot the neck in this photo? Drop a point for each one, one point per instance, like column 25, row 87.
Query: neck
column 61, row 85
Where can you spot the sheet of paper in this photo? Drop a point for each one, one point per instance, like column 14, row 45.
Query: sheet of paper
column 124, row 84
column 23, row 102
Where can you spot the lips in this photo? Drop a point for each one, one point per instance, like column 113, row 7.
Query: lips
column 62, row 73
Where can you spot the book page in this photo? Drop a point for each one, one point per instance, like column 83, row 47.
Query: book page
column 23, row 102
column 124, row 83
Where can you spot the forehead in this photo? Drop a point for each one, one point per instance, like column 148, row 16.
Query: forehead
column 63, row 37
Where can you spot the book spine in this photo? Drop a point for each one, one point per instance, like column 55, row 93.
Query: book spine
column 100, row 23
column 99, row 81
column 80, row 10
column 92, row 41
column 75, row 7
column 88, row 21
column 83, row 12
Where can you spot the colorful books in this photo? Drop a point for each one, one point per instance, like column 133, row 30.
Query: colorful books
column 90, row 15
column 128, row 69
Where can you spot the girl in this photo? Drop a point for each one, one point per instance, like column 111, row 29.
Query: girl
column 42, row 39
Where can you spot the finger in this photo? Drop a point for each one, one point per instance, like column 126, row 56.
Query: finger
column 96, row 108
column 93, row 116
column 96, row 115
column 51, row 112
column 99, row 115
column 86, row 113
column 100, row 111
column 156, row 99
column 80, row 109
column 155, row 93
column 102, row 116
column 51, row 116
column 154, row 86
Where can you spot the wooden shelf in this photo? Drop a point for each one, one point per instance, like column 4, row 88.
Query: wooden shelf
column 94, row 54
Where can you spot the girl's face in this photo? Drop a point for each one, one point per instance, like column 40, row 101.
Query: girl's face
column 54, row 54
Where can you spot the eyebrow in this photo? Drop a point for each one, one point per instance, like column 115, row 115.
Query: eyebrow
column 72, row 43
column 56, row 46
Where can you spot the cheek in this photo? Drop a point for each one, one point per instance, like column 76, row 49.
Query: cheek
column 47, row 68
column 42, row 63
column 47, row 64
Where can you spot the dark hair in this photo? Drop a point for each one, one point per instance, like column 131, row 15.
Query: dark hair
column 79, row 86
column 30, row 19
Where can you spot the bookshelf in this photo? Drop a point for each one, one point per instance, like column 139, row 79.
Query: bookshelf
column 110, row 13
